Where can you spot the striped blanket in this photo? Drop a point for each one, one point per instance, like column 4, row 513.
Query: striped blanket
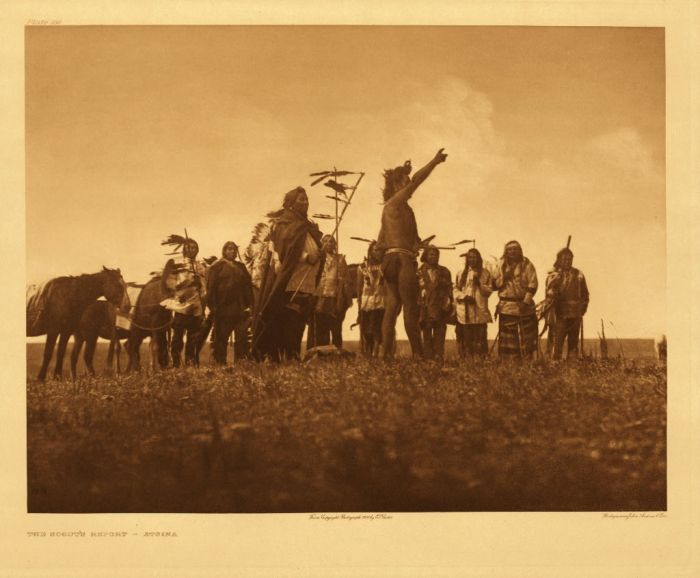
column 517, row 335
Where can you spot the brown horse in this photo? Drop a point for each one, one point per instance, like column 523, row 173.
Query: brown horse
column 57, row 310
column 98, row 320
column 151, row 319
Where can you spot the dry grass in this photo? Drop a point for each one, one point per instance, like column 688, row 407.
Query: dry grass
column 352, row 436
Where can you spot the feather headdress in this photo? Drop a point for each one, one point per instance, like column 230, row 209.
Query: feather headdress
column 257, row 244
column 255, row 256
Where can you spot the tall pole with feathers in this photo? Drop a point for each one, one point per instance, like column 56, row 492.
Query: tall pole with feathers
column 340, row 195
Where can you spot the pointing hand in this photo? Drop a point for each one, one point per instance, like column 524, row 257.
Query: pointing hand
column 440, row 156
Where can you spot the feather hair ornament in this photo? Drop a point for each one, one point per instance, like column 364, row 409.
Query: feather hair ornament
column 177, row 241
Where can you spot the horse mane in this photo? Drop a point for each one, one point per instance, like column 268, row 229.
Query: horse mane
column 86, row 275
column 147, row 290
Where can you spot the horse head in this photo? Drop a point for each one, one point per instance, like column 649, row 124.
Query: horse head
column 114, row 289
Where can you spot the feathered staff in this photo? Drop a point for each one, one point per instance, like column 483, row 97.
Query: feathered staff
column 323, row 174
column 340, row 195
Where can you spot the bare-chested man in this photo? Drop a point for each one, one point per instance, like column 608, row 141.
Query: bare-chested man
column 399, row 240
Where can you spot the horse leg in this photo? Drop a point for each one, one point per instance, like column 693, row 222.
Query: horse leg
column 161, row 340
column 75, row 354
column 90, row 353
column 133, row 345
column 153, row 349
column 110, row 351
column 119, row 356
column 137, row 352
column 62, row 344
column 48, row 353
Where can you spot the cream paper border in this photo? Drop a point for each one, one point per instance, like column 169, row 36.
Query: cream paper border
column 474, row 544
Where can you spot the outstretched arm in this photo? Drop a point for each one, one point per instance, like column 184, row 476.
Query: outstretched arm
column 420, row 175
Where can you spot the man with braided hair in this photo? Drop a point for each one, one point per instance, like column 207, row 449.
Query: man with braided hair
column 516, row 282
column 473, row 285
column 567, row 291
column 230, row 300
column 331, row 298
column 370, row 301
column 289, row 280
column 399, row 241
column 435, row 284
column 191, row 290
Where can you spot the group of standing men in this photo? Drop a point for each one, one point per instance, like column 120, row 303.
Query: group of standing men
column 297, row 279
column 302, row 283
column 430, row 302
column 224, row 287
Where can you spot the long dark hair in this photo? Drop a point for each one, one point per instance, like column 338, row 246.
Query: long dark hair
column 560, row 255
column 479, row 265
column 479, row 260
column 288, row 201
column 229, row 244
column 505, row 261
column 424, row 256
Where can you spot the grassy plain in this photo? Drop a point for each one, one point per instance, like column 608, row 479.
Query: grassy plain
column 352, row 436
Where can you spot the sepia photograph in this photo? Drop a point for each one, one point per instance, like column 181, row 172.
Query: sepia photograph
column 298, row 269
column 353, row 289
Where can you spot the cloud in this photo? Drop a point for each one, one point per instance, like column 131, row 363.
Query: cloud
column 625, row 150
column 455, row 116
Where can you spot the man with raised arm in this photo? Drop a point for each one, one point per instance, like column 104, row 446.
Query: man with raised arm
column 398, row 239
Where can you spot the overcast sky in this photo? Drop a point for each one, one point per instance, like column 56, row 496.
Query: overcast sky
column 134, row 133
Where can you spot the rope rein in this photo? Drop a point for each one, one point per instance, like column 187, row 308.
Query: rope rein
column 160, row 328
